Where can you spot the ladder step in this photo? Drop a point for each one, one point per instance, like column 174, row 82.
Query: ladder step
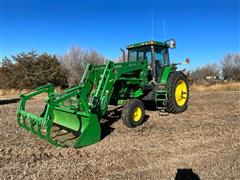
column 161, row 99
column 162, row 111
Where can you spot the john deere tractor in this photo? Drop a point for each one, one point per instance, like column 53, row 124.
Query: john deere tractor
column 72, row 118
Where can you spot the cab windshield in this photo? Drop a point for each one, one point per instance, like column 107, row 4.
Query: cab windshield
column 145, row 54
column 140, row 54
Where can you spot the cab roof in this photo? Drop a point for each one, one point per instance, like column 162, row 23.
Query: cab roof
column 147, row 43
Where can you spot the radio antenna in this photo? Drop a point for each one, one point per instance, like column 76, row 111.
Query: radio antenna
column 152, row 24
column 164, row 29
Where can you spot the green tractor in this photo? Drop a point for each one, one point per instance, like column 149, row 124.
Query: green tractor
column 72, row 118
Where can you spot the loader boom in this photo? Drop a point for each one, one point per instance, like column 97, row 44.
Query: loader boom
column 80, row 108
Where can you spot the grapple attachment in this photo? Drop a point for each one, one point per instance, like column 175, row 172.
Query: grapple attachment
column 60, row 125
column 71, row 118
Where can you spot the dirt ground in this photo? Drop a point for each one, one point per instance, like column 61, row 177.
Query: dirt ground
column 204, row 140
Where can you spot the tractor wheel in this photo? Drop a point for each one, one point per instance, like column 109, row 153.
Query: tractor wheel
column 178, row 92
column 133, row 113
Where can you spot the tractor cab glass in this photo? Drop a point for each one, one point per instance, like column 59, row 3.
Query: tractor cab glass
column 140, row 54
column 157, row 57
column 161, row 59
column 161, row 56
column 149, row 53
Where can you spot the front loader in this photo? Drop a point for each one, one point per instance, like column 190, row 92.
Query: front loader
column 72, row 118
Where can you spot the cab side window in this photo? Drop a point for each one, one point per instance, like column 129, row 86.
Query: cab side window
column 159, row 56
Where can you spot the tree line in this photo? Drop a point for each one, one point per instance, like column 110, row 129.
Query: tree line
column 227, row 69
column 30, row 70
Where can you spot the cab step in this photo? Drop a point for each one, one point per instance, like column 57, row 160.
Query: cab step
column 161, row 99
column 163, row 111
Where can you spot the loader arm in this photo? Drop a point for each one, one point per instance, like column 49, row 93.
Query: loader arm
column 78, row 110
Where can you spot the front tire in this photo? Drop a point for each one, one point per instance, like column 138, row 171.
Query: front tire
column 133, row 113
column 178, row 92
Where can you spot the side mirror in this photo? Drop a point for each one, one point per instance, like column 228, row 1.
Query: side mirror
column 171, row 43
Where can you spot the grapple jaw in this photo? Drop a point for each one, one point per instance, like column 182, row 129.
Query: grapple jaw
column 72, row 118
column 60, row 124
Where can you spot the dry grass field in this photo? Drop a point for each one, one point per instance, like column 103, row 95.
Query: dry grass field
column 217, row 87
column 205, row 138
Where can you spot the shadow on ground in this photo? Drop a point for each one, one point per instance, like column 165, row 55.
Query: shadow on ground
column 186, row 174
column 107, row 121
column 8, row 101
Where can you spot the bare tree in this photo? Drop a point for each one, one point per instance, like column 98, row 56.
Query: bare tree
column 230, row 66
column 75, row 61
column 200, row 75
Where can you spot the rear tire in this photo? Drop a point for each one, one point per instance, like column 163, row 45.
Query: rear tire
column 133, row 113
column 178, row 92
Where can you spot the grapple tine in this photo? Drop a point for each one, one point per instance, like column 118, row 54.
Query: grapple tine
column 82, row 128
column 25, row 124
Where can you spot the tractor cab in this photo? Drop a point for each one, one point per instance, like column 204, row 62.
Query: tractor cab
column 155, row 52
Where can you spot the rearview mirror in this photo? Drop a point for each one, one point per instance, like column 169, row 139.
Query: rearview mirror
column 171, row 43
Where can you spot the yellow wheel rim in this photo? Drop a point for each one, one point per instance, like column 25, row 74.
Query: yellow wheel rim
column 181, row 93
column 137, row 114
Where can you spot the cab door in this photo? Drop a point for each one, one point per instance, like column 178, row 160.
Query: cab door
column 161, row 59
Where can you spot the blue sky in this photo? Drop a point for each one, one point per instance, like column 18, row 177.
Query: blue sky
column 204, row 30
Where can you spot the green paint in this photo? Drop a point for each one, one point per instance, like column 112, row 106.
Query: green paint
column 137, row 93
column 166, row 71
column 67, row 119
